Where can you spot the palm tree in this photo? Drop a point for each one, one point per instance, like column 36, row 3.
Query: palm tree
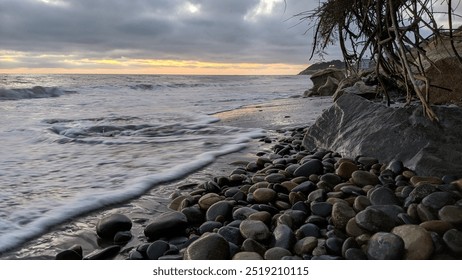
column 392, row 32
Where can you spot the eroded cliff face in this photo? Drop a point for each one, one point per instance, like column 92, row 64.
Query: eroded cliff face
column 356, row 126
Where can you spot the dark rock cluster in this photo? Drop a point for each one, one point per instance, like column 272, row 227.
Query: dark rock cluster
column 297, row 204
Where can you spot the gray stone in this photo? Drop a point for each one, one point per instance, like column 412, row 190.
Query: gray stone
column 194, row 214
column 210, row 246
column 392, row 211
column 313, row 166
column 305, row 187
column 396, row 166
column 383, row 196
column 419, row 193
column 374, row 220
column 276, row 253
column 368, row 161
column 256, row 230
column 317, row 195
column 231, row 234
column 167, row 224
column 355, row 126
column 108, row 226
column 107, row 253
column 355, row 254
column 250, row 245
column 331, row 179
column 157, row 249
column 453, row 240
column 209, row 226
column 308, row 230
column 122, row 237
column 334, row 246
column 275, row 178
column 219, row 209
column 385, row 246
column 243, row 213
column 284, row 237
column 322, row 209
column 73, row 253
column 438, row 200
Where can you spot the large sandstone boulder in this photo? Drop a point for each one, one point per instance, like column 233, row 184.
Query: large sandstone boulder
column 359, row 88
column 445, row 80
column 327, row 78
column 356, row 126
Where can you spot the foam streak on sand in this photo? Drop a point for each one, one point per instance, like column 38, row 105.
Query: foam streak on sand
column 95, row 201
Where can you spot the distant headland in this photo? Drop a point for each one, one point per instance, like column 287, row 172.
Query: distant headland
column 322, row 65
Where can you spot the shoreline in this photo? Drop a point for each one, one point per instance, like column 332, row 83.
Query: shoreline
column 275, row 200
column 271, row 116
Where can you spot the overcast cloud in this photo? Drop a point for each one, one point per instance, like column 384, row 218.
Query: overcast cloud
column 225, row 31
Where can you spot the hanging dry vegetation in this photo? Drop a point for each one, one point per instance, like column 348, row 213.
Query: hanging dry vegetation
column 392, row 32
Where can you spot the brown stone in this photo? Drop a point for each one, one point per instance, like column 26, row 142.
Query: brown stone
column 353, row 229
column 247, row 256
column 341, row 214
column 418, row 242
column 276, row 253
column 363, row 178
column 444, row 73
column 437, row 226
column 345, row 169
column 360, row 203
column 289, row 185
column 208, row 200
column 451, row 214
column 305, row 245
column 261, row 216
column 176, row 203
column 415, row 180
column 296, row 197
column 264, row 195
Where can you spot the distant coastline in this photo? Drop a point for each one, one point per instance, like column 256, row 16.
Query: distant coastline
column 338, row 64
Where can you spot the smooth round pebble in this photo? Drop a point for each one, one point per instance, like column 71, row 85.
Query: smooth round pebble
column 385, row 246
column 108, row 226
column 264, row 195
column 210, row 246
column 418, row 242
column 256, row 230
column 453, row 239
column 276, row 253
column 364, row 178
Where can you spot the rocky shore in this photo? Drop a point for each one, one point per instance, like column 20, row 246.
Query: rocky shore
column 293, row 203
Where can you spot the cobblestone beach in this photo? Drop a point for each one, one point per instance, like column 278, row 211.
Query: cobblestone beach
column 295, row 204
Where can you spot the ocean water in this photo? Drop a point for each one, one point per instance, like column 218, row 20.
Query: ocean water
column 71, row 144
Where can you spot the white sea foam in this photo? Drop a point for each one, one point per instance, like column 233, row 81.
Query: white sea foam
column 96, row 200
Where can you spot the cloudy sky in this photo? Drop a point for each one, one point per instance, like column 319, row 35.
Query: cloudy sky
column 154, row 36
